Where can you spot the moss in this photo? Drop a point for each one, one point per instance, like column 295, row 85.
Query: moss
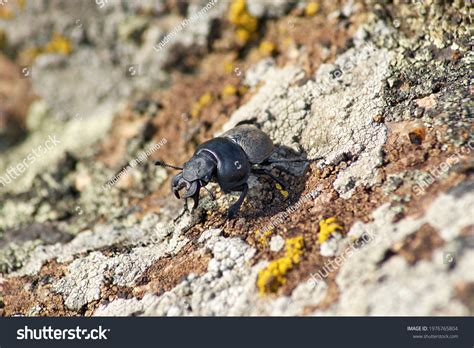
column 246, row 24
column 271, row 278
column 326, row 228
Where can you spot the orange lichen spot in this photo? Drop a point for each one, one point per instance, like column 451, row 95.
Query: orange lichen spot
column 203, row 101
column 229, row 90
column 246, row 24
column 266, row 48
column 311, row 8
column 274, row 275
column 326, row 228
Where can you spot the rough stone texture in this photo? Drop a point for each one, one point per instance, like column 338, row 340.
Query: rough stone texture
column 380, row 91
column 373, row 286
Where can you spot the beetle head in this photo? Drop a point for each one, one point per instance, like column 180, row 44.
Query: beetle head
column 196, row 173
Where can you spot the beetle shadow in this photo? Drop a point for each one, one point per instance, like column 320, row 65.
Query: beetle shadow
column 294, row 176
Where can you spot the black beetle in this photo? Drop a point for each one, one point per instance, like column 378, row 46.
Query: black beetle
column 228, row 159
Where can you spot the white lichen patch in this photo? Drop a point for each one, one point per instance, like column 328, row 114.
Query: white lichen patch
column 328, row 116
column 81, row 286
column 342, row 122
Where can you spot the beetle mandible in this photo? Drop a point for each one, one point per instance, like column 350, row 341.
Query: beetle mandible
column 228, row 159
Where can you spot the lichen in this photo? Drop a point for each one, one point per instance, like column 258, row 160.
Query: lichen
column 229, row 90
column 202, row 102
column 327, row 228
column 58, row 44
column 283, row 192
column 274, row 275
column 266, row 48
column 311, row 8
column 262, row 237
column 6, row 13
column 246, row 24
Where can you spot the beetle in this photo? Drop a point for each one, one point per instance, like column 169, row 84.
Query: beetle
column 227, row 159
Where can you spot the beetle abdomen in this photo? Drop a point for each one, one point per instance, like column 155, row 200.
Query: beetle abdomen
column 256, row 144
column 233, row 166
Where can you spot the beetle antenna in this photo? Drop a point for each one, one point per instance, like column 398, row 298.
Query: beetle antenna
column 295, row 160
column 163, row 164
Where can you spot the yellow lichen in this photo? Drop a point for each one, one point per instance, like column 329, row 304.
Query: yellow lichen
column 6, row 12
column 274, row 275
column 311, row 8
column 246, row 24
column 21, row 4
column 203, row 101
column 243, row 90
column 228, row 66
column 326, row 228
column 284, row 193
column 57, row 45
column 266, row 48
column 263, row 236
column 229, row 90
column 7, row 9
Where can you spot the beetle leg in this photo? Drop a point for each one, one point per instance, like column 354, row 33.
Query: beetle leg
column 213, row 197
column 234, row 208
column 196, row 200
column 185, row 209
column 262, row 171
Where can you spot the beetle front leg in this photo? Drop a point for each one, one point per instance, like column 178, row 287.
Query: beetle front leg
column 185, row 209
column 209, row 192
column 234, row 208
column 196, row 200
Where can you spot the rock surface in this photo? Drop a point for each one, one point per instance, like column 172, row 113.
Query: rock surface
column 382, row 92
